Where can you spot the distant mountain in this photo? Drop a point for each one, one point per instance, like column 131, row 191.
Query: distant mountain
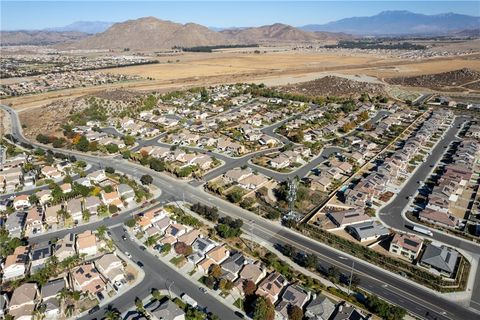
column 151, row 33
column 11, row 38
column 90, row 27
column 277, row 32
column 400, row 22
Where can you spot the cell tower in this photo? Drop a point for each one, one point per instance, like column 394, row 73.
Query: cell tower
column 292, row 195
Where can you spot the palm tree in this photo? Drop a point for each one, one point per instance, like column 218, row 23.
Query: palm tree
column 69, row 310
column 111, row 314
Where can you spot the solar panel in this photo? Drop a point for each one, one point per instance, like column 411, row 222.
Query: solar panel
column 411, row 242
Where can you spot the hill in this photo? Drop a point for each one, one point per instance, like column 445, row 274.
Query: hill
column 276, row 33
column 400, row 22
column 12, row 38
column 151, row 33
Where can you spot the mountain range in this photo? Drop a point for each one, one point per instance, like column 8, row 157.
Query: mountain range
column 150, row 33
column 400, row 23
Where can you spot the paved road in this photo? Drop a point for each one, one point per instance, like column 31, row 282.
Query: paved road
column 159, row 275
column 386, row 285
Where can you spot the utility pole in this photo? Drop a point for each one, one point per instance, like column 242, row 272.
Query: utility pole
column 351, row 277
column 292, row 195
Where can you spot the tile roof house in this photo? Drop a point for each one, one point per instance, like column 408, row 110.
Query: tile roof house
column 189, row 237
column 176, row 230
column 24, row 299
column 65, row 247
column 15, row 265
column 111, row 267
column 237, row 174
column 86, row 278
column 438, row 217
column 440, row 258
column 51, row 216
column 51, row 172
column 253, row 271
column 109, row 198
column 219, row 254
column 272, row 286
column 406, row 245
column 66, row 187
column 347, row 313
column 91, row 204
column 320, row 183
column 320, row 308
column 34, row 221
column 97, row 176
column 21, row 202
column 87, row 243
column 74, row 207
column 44, row 196
column 253, row 181
column 203, row 245
column 292, row 296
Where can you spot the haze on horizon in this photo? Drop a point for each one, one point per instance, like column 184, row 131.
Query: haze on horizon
column 21, row 15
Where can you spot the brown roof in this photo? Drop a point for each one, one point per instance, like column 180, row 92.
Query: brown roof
column 24, row 294
column 189, row 237
column 19, row 256
column 86, row 240
column 219, row 253
column 408, row 241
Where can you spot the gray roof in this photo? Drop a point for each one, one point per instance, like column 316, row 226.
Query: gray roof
column 52, row 304
column 442, row 258
column 92, row 201
column 15, row 220
column 320, row 308
column 202, row 243
column 41, row 251
column 368, row 229
column 295, row 295
column 234, row 263
column 52, row 288
column 75, row 205
column 167, row 310
column 124, row 188
column 348, row 313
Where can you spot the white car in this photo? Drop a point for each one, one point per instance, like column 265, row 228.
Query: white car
column 128, row 254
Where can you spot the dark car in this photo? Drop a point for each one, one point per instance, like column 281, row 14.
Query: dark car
column 124, row 238
column 239, row 314
column 93, row 310
column 143, row 248
column 140, row 264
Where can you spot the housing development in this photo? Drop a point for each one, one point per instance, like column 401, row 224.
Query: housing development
column 192, row 193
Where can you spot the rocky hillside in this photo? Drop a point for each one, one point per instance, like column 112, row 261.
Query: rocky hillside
column 151, row 33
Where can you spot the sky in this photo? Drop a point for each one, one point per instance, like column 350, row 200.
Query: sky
column 29, row 15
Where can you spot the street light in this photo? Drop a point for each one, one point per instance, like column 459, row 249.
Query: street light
column 169, row 292
column 351, row 274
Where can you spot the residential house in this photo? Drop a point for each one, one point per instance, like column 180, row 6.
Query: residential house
column 292, row 296
column 51, row 215
column 91, row 204
column 189, row 237
column 44, row 196
column 166, row 310
column 272, row 286
column 87, row 243
column 126, row 192
column 320, row 308
column 66, row 187
column 74, row 207
column 111, row 198
column 234, row 264
column 347, row 313
column 21, row 202
column 440, row 258
column 280, row 162
column 253, row 272
column 86, row 278
column 84, row 182
column 176, row 230
column 39, row 255
column 367, row 231
column 34, row 220
column 406, row 245
column 347, row 217
column 253, row 181
column 24, row 299
column 50, row 292
column 111, row 267
column 16, row 264
column 320, row 183
column 237, row 174
column 15, row 224
column 97, row 176
column 438, row 217
column 51, row 173
column 65, row 247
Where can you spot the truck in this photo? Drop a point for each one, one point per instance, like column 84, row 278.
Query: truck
column 423, row 231
column 189, row 300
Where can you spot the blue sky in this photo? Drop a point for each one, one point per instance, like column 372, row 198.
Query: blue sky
column 17, row 15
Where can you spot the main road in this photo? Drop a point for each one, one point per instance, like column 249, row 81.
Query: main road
column 385, row 284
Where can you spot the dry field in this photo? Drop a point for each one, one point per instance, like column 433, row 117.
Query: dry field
column 273, row 68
